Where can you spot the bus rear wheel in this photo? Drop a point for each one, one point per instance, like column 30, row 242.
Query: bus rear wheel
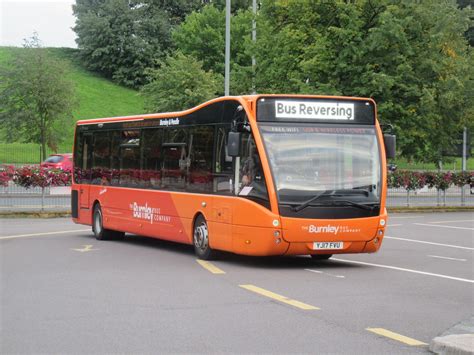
column 98, row 229
column 321, row 256
column 201, row 240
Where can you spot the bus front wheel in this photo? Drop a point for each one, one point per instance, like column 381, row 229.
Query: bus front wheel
column 98, row 229
column 201, row 240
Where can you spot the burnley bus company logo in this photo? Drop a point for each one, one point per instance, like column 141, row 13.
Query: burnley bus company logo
column 148, row 213
column 329, row 229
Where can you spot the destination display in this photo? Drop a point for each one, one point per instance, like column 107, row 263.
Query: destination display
column 321, row 110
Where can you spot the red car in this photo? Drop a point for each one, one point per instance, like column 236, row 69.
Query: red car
column 58, row 161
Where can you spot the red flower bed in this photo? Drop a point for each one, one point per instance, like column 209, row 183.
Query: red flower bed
column 412, row 180
column 32, row 176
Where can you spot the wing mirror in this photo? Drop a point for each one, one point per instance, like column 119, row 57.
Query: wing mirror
column 233, row 144
column 390, row 142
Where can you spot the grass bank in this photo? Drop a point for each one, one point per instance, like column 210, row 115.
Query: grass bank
column 96, row 97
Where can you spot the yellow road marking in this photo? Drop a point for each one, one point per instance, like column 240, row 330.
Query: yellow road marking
column 85, row 249
column 278, row 297
column 396, row 336
column 210, row 267
column 43, row 234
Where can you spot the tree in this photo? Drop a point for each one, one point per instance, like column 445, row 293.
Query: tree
column 121, row 38
column 411, row 57
column 202, row 35
column 236, row 5
column 470, row 31
column 180, row 83
column 36, row 98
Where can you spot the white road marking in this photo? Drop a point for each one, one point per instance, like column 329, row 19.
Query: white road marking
column 455, row 221
column 326, row 273
column 445, row 257
column 86, row 248
column 431, row 243
column 43, row 234
column 406, row 270
column 452, row 227
column 394, row 225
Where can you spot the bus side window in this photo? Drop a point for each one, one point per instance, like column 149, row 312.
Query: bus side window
column 82, row 167
column 201, row 143
column 78, row 158
column 116, row 140
column 152, row 161
column 175, row 165
column 223, row 168
column 130, row 158
column 101, row 174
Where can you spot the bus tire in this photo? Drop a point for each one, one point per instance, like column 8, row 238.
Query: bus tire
column 321, row 256
column 201, row 239
column 98, row 229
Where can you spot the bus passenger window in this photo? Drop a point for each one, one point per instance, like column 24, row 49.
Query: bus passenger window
column 176, row 160
column 223, row 169
column 152, row 140
column 201, row 144
column 130, row 158
column 101, row 174
column 116, row 140
column 82, row 163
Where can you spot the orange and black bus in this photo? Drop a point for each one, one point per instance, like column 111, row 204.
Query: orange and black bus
column 254, row 175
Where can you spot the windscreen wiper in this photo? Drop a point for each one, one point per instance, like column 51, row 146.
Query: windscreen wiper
column 368, row 207
column 312, row 199
column 333, row 193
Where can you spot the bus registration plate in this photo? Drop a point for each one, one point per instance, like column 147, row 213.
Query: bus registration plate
column 328, row 245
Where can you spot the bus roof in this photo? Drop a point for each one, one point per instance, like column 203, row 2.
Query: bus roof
column 242, row 98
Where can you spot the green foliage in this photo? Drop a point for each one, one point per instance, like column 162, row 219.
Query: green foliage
column 121, row 38
column 96, row 97
column 36, row 97
column 179, row 84
column 202, row 35
column 470, row 32
column 411, row 57
column 235, row 5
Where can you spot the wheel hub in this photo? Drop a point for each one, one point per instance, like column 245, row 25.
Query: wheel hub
column 201, row 237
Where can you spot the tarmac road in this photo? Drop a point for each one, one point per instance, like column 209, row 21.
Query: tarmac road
column 62, row 291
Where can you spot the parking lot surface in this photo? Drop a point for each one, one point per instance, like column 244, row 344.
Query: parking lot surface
column 62, row 291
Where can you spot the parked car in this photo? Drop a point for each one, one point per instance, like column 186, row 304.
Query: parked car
column 58, row 161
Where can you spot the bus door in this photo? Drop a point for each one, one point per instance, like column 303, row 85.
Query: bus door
column 86, row 160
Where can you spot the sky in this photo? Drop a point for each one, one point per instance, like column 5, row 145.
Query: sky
column 52, row 19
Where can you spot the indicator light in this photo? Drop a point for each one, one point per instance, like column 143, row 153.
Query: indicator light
column 247, row 242
column 276, row 234
column 278, row 241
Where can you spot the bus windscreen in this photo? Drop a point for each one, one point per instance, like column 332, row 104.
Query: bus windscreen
column 338, row 163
